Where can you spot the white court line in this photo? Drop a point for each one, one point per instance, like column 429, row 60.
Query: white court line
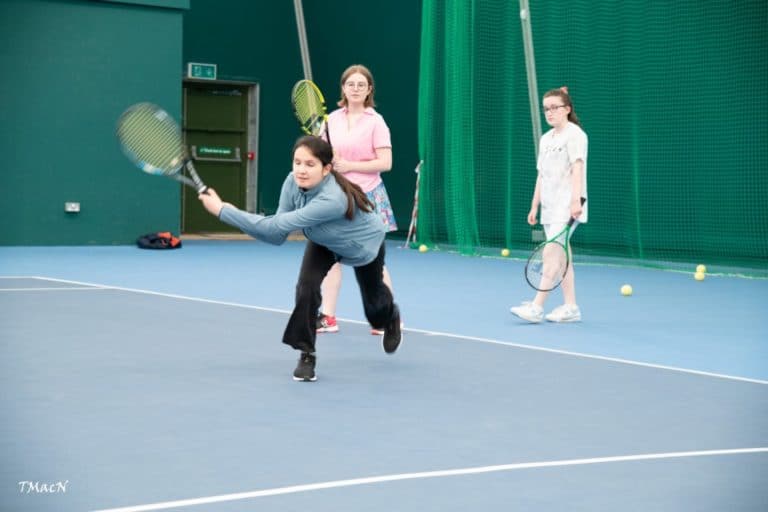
column 425, row 474
column 56, row 289
column 592, row 356
column 161, row 294
column 51, row 289
column 434, row 333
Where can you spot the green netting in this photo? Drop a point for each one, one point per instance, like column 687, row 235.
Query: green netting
column 671, row 94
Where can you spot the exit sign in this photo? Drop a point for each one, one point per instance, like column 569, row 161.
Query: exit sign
column 201, row 71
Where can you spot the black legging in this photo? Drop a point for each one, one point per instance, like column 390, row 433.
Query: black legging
column 378, row 303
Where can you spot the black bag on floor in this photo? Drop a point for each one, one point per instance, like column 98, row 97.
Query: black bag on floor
column 161, row 240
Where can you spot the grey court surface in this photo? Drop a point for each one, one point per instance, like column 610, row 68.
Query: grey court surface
column 129, row 399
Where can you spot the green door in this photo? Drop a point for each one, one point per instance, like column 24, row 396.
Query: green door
column 216, row 135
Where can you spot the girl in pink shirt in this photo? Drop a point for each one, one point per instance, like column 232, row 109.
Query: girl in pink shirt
column 362, row 151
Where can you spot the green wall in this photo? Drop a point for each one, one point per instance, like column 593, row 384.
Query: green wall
column 257, row 41
column 69, row 68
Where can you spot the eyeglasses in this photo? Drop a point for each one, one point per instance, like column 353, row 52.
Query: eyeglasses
column 553, row 108
column 358, row 85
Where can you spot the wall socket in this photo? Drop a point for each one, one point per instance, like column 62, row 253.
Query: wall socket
column 72, row 207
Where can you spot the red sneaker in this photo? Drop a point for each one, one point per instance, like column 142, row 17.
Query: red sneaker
column 327, row 323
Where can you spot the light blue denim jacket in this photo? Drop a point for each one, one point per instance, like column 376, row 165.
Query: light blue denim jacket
column 319, row 214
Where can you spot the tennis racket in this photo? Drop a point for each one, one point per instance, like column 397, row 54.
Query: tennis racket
column 309, row 107
column 151, row 139
column 548, row 263
column 411, row 237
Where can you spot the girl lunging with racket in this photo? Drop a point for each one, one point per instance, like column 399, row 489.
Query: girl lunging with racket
column 561, row 191
column 341, row 226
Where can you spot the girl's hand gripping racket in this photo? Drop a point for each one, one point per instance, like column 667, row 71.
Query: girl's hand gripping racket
column 151, row 139
column 549, row 261
column 309, row 107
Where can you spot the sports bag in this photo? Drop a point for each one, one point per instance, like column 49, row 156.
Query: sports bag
column 161, row 240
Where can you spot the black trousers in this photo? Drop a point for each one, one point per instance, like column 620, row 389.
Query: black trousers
column 378, row 303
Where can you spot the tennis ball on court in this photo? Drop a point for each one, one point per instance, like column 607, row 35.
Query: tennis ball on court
column 699, row 276
column 505, row 252
column 701, row 268
column 423, row 248
column 626, row 290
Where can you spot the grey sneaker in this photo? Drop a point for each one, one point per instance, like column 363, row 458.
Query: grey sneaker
column 393, row 335
column 305, row 370
column 528, row 311
column 565, row 313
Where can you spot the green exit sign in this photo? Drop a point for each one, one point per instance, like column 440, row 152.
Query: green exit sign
column 214, row 150
column 201, row 71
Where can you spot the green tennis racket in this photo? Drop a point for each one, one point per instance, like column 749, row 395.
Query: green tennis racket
column 309, row 107
column 548, row 263
column 151, row 139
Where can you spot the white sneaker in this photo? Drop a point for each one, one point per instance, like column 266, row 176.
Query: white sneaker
column 528, row 311
column 565, row 313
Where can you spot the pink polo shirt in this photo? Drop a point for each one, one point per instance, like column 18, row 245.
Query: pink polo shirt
column 359, row 143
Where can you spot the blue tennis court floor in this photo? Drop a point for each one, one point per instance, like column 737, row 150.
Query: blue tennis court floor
column 153, row 381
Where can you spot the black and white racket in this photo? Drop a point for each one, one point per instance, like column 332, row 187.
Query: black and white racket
column 411, row 236
column 151, row 139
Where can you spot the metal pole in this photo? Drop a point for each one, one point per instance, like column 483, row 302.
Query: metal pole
column 530, row 69
column 297, row 7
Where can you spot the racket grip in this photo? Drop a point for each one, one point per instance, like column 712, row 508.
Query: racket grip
column 570, row 222
column 202, row 188
column 328, row 133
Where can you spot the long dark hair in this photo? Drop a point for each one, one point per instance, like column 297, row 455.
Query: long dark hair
column 562, row 93
column 323, row 151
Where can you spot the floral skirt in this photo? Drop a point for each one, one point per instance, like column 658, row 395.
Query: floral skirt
column 380, row 199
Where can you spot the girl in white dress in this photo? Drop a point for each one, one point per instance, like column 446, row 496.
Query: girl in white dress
column 560, row 187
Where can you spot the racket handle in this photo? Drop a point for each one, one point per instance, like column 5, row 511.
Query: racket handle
column 202, row 188
column 570, row 222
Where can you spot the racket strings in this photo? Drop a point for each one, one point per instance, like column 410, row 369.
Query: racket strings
column 547, row 266
column 310, row 108
column 152, row 139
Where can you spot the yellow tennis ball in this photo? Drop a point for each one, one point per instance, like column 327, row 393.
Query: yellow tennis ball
column 505, row 252
column 423, row 248
column 701, row 268
column 699, row 276
column 626, row 290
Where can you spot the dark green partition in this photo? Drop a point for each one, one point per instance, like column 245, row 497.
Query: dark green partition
column 69, row 68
